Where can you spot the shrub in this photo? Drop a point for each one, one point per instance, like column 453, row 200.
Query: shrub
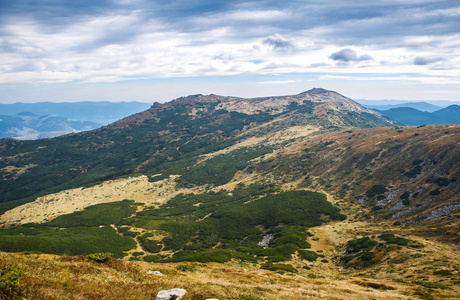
column 413, row 172
column 443, row 273
column 367, row 255
column 364, row 243
column 279, row 267
column 186, row 268
column 377, row 189
column 9, row 282
column 100, row 257
column 392, row 239
column 442, row 181
column 435, row 192
column 308, row 255
column 405, row 195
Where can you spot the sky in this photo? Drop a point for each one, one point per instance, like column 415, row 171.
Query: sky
column 156, row 50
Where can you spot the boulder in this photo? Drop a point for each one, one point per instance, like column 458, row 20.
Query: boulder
column 169, row 294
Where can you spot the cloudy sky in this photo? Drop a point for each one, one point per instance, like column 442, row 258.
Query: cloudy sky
column 156, row 50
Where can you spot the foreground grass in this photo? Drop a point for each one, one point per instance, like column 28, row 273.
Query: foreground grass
column 64, row 277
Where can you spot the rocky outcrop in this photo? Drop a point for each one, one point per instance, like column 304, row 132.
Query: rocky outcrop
column 170, row 294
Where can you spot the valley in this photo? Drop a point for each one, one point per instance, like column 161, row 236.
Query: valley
column 354, row 205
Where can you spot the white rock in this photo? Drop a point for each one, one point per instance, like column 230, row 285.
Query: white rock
column 154, row 273
column 166, row 294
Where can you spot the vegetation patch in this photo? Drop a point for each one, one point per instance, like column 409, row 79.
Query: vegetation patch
column 279, row 267
column 70, row 241
column 100, row 257
column 376, row 286
column 308, row 255
column 392, row 239
column 232, row 221
column 10, row 287
column 96, row 215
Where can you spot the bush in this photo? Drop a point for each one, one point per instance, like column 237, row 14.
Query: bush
column 186, row 268
column 414, row 172
column 9, row 282
column 405, row 195
column 364, row 243
column 279, row 267
column 392, row 239
column 435, row 192
column 443, row 273
column 406, row 202
column 377, row 189
column 100, row 257
column 367, row 255
column 308, row 255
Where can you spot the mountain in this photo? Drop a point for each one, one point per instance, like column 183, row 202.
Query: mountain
column 411, row 116
column 313, row 184
column 28, row 126
column 99, row 112
column 422, row 106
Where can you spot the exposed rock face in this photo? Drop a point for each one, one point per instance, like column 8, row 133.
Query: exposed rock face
column 442, row 211
column 167, row 294
column 265, row 242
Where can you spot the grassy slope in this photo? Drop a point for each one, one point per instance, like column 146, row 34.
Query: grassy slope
column 406, row 273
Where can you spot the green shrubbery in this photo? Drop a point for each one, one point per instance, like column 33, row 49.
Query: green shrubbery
column 279, row 267
column 364, row 243
column 308, row 255
column 100, row 257
column 231, row 221
column 70, row 241
column 95, row 215
column 392, row 239
column 10, row 287
column 377, row 189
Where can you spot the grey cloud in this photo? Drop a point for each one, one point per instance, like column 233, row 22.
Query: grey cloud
column 278, row 42
column 347, row 55
column 422, row 61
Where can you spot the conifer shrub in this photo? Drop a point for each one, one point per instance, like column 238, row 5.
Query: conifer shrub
column 308, row 255
column 10, row 287
column 100, row 257
column 392, row 239
column 376, row 189
column 279, row 267
column 364, row 243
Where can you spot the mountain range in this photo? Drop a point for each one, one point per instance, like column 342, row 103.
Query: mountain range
column 51, row 119
column 413, row 117
column 28, row 126
column 312, row 184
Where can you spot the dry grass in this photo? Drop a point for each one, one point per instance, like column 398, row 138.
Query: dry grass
column 51, row 206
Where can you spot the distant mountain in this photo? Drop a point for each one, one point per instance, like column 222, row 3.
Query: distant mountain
column 100, row 112
column 29, row 126
column 414, row 117
column 422, row 106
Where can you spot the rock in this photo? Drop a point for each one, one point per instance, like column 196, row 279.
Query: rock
column 158, row 273
column 265, row 243
column 169, row 294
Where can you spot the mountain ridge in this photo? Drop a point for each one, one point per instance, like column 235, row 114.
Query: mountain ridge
column 413, row 117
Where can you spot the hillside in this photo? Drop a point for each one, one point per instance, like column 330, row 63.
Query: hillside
column 313, row 185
